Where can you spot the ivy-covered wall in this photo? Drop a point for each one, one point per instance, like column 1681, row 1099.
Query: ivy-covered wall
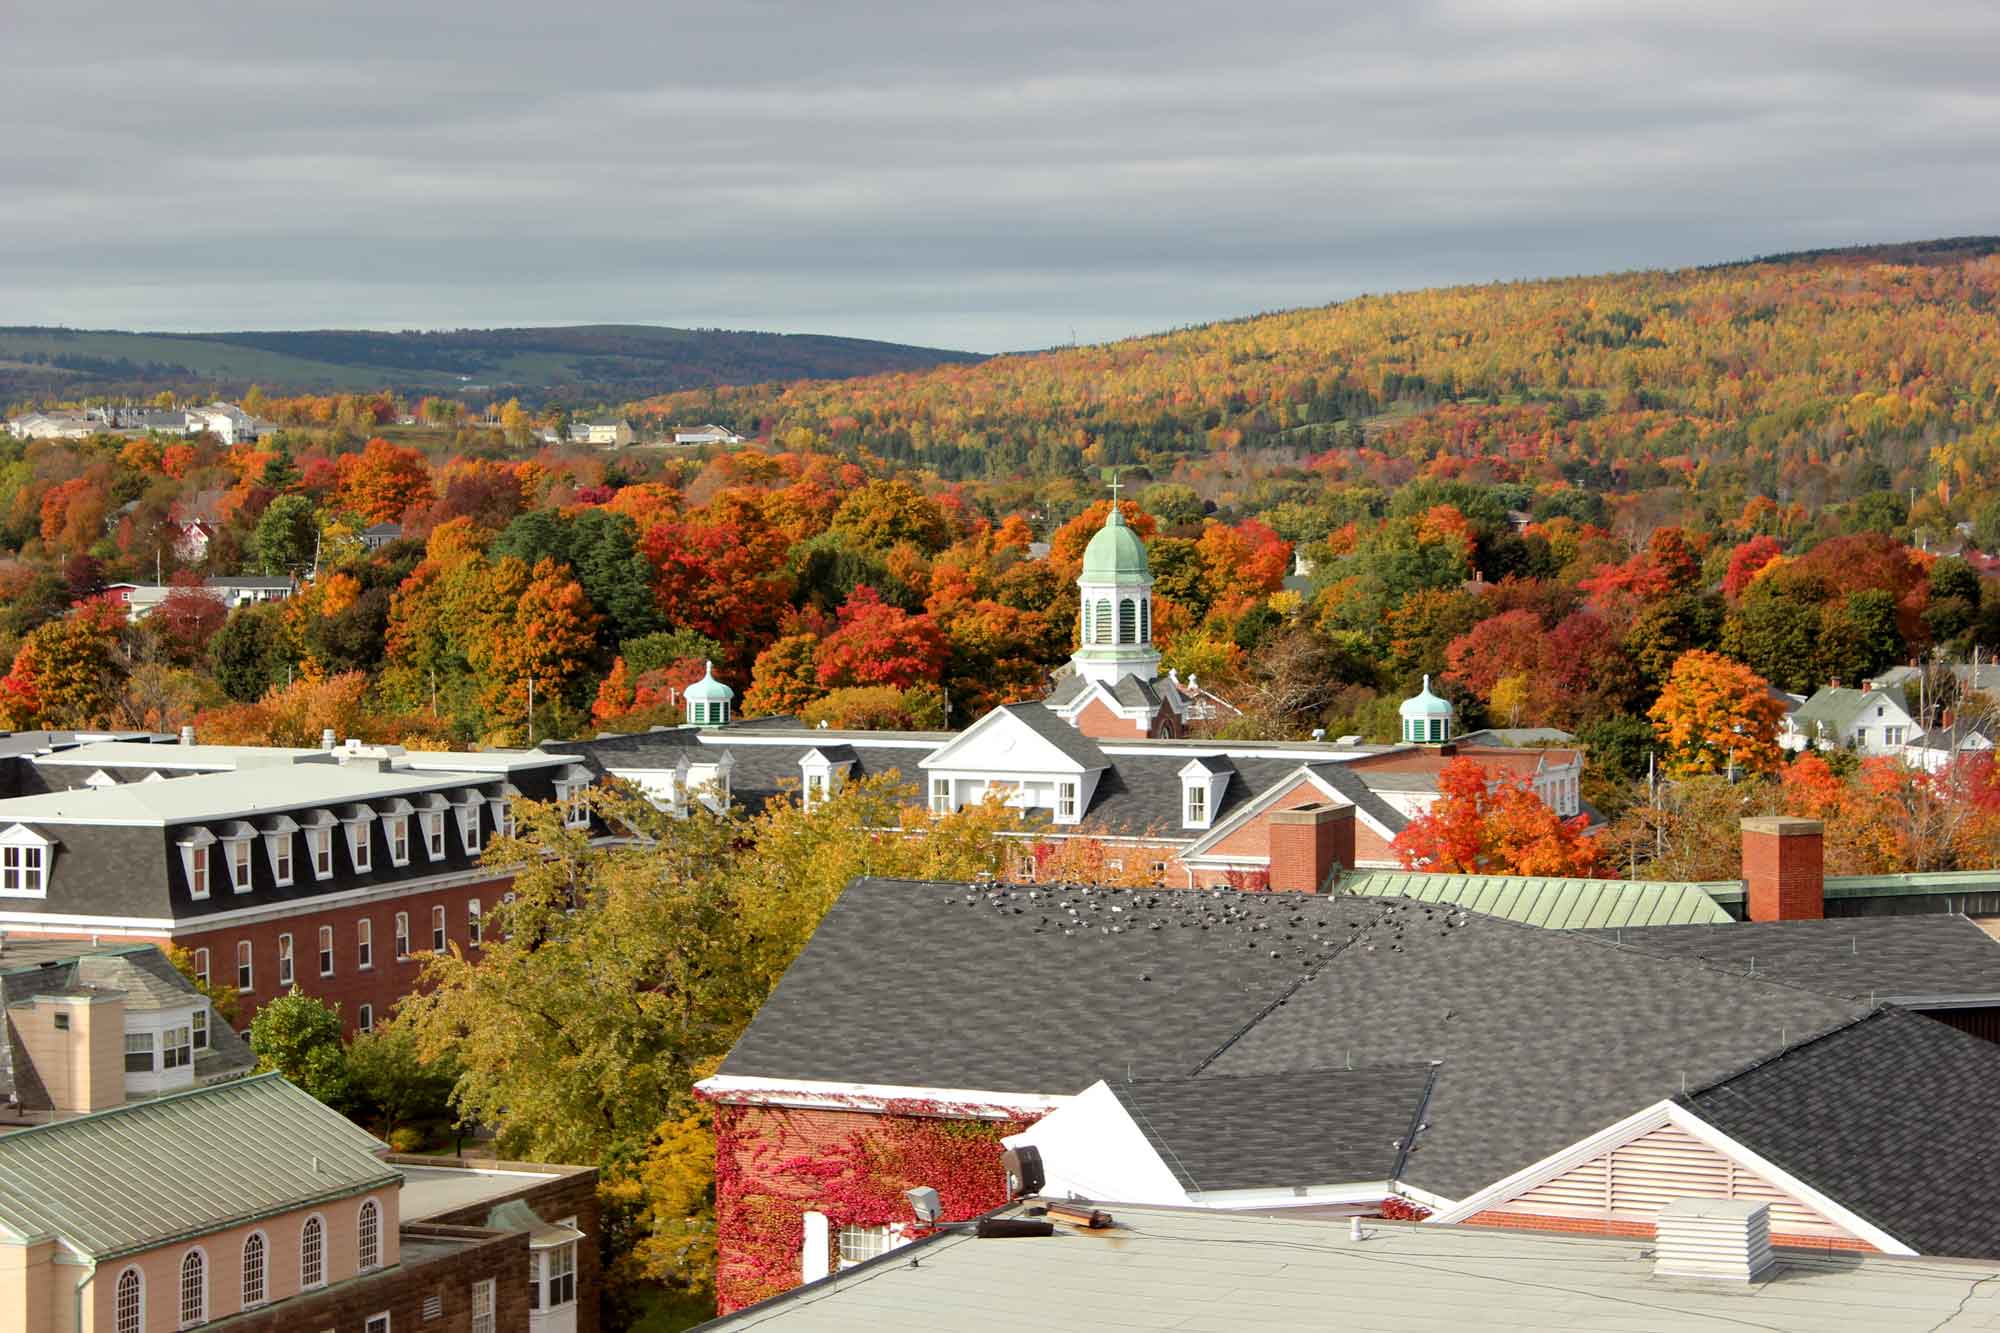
column 774, row 1164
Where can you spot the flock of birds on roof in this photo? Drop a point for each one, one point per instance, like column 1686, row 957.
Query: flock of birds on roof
column 1313, row 930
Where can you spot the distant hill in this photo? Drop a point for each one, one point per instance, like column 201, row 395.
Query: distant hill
column 584, row 363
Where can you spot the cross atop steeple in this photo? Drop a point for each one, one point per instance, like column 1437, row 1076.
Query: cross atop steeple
column 1115, row 484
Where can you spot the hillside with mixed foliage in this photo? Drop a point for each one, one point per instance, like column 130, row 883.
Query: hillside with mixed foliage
column 582, row 364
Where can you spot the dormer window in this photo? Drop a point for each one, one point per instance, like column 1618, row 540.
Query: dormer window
column 821, row 773
column 359, row 847
column 239, row 864
column 574, row 795
column 468, row 823
column 941, row 796
column 1202, row 784
column 433, row 822
column 195, row 852
column 24, row 863
column 278, row 835
column 1065, row 802
column 320, row 841
column 1196, row 813
column 815, row 788
column 398, row 827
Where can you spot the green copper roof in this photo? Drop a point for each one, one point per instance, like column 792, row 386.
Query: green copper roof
column 1115, row 554
column 152, row 1172
column 1559, row 904
column 708, row 689
column 1426, row 704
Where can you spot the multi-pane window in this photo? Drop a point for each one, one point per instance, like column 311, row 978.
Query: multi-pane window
column 320, row 840
column 472, row 926
column 468, row 826
column 482, row 1306
column 434, row 836
column 21, row 870
column 326, row 951
column 312, row 1253
column 562, row 1275
column 201, row 966
column 359, row 847
column 503, row 819
column 129, row 1311
column 402, row 934
column 138, row 1052
column 284, row 960
column 1066, row 800
column 364, row 1018
column 197, row 868
column 576, row 804
column 377, row 1323
column 399, row 840
column 364, row 943
column 1197, row 804
column 239, row 865
column 861, row 1243
column 244, row 981
column 437, row 930
column 368, row 1236
column 177, row 1047
column 194, row 1289
column 281, row 858
column 1892, row 735
column 941, row 795
column 815, row 789
column 199, row 1026
column 253, row 1271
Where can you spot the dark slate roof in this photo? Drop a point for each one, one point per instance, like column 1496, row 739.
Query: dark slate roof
column 1905, row 959
column 1323, row 1127
column 1067, row 690
column 1029, row 989
column 1073, row 743
column 1354, row 787
column 1545, row 1037
column 1135, row 693
column 1893, row 1116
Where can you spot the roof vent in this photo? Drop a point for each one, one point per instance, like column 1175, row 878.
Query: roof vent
column 1726, row 1240
column 326, row 741
column 187, row 735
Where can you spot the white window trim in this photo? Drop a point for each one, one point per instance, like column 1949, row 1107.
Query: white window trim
column 319, row 841
column 401, row 941
column 359, row 1214
column 364, row 944
column 246, row 966
column 433, row 827
column 21, row 844
column 139, row 1273
column 475, row 928
column 396, row 832
column 327, row 960
column 364, row 1017
column 303, row 1284
column 239, row 852
column 243, row 1272
column 287, row 961
column 180, row 1289
column 440, row 929
column 281, row 850
column 203, row 841
column 468, row 827
column 201, row 964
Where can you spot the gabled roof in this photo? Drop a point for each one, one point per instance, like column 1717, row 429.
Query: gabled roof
column 1893, row 1116
column 1839, row 709
column 1317, row 1127
column 1067, row 741
column 175, row 1167
column 1557, row 903
column 1897, row 959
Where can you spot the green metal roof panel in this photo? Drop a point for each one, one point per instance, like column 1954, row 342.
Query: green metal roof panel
column 1549, row 901
column 151, row 1172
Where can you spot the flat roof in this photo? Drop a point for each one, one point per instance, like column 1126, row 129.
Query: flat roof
column 431, row 1190
column 232, row 794
column 1161, row 1268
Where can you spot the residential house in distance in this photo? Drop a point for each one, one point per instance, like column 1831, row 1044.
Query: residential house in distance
column 1870, row 721
column 251, row 1206
column 337, row 869
column 191, row 536
column 710, row 434
column 52, row 426
column 379, row 535
column 602, row 432
column 142, row 599
column 228, row 423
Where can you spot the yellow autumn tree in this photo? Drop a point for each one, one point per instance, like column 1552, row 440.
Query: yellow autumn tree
column 1715, row 715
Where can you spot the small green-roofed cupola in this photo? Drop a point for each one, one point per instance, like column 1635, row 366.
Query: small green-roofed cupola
column 1115, row 553
column 1427, row 718
column 708, row 700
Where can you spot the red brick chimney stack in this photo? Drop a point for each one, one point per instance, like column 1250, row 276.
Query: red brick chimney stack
column 1784, row 868
column 1308, row 844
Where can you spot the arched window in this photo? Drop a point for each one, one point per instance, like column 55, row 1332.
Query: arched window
column 312, row 1254
column 1103, row 625
column 1145, row 620
column 1128, row 621
column 129, row 1310
column 194, row 1289
column 253, row 1270
column 368, row 1236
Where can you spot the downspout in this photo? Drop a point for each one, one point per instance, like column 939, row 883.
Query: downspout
column 76, row 1319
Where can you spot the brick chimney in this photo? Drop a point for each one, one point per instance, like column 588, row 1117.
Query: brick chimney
column 1784, row 868
column 1308, row 844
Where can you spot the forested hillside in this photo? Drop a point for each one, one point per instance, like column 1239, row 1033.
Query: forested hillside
column 1809, row 378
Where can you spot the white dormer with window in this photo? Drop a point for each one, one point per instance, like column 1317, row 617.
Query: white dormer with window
column 197, row 860
column 503, row 810
column 24, row 863
column 431, row 810
column 573, row 793
column 239, row 843
column 1203, row 782
column 710, row 783
column 280, row 838
column 395, row 813
column 319, row 828
column 360, row 840
column 823, row 771
column 1022, row 755
column 469, row 804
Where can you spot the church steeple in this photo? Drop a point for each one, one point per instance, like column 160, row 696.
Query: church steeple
column 1115, row 629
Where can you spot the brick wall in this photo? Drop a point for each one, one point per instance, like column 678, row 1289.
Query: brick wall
column 1784, row 869
column 1308, row 844
column 470, row 1255
column 573, row 1193
column 1100, row 722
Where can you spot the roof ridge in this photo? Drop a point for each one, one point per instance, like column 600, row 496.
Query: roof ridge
column 145, row 1103
column 1813, row 1039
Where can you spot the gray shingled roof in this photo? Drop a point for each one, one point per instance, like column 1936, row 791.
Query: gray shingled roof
column 1904, row 959
column 1319, row 1127
column 1894, row 1116
column 151, row 1172
column 1073, row 743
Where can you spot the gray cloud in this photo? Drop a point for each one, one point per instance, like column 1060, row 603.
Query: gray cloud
column 989, row 178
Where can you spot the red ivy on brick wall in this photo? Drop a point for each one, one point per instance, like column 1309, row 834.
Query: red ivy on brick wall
column 763, row 1190
column 1395, row 1208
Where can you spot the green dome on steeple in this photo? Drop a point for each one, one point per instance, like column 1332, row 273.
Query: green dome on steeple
column 708, row 700
column 1115, row 554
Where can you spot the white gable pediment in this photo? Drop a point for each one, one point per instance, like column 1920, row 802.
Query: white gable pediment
column 1001, row 743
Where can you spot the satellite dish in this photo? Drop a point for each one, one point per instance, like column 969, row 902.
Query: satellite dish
column 1023, row 1166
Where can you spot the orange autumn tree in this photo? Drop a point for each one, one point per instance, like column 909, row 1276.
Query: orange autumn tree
column 382, row 481
column 1482, row 826
column 1715, row 714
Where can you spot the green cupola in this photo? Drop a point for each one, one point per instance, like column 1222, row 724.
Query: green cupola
column 1115, row 624
column 1115, row 553
column 1426, row 718
column 708, row 700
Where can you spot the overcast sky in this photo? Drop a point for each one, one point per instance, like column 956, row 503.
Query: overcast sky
column 987, row 176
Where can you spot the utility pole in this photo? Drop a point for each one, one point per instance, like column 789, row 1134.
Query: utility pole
column 531, row 711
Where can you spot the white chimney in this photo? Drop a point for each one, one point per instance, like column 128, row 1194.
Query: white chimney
column 187, row 734
column 1726, row 1240
column 326, row 741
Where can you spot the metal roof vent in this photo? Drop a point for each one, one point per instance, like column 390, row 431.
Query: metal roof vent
column 1727, row 1240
